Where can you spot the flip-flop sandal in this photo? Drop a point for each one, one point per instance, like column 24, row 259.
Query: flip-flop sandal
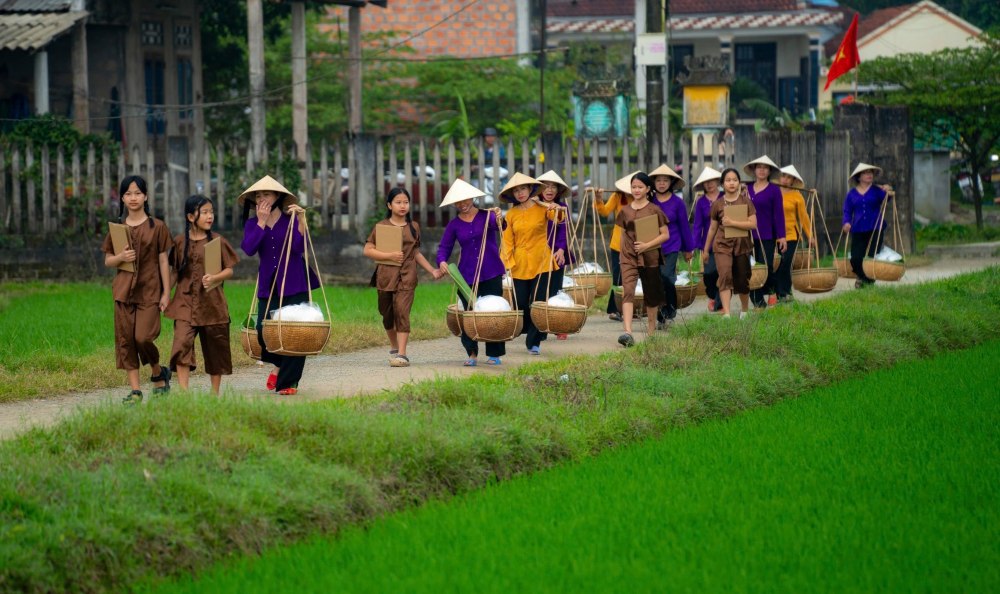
column 470, row 362
column 493, row 361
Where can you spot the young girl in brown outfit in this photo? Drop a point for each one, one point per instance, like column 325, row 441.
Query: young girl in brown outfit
column 732, row 255
column 199, row 306
column 139, row 296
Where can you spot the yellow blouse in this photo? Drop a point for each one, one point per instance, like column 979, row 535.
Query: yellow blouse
column 613, row 204
column 525, row 249
column 795, row 214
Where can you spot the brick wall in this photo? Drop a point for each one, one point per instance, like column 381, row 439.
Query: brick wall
column 487, row 28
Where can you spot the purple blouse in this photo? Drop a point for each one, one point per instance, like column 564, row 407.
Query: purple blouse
column 470, row 237
column 770, row 211
column 267, row 243
column 862, row 210
column 702, row 220
column 561, row 241
column 678, row 228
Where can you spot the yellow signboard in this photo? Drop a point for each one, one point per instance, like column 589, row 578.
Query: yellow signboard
column 706, row 106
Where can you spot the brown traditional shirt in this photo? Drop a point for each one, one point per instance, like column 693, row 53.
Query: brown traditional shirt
column 192, row 302
column 142, row 287
column 736, row 246
column 626, row 220
column 399, row 278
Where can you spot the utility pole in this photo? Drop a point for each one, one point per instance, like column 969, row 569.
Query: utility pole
column 541, row 65
column 255, row 41
column 354, row 70
column 300, row 104
column 654, row 81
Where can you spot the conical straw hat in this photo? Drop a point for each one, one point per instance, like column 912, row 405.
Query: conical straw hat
column 267, row 183
column 861, row 168
column 552, row 177
column 669, row 172
column 791, row 171
column 460, row 190
column 707, row 174
column 763, row 159
column 519, row 179
column 624, row 184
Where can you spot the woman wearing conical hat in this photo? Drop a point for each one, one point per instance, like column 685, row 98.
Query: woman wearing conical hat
column 862, row 206
column 555, row 191
column 467, row 230
column 767, row 201
column 526, row 251
column 665, row 183
column 618, row 199
column 273, row 208
column 708, row 183
column 796, row 223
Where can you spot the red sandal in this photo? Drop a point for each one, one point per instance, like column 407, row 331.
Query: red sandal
column 288, row 392
column 272, row 381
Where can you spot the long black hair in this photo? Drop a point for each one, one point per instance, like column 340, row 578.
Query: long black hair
column 123, row 187
column 192, row 206
column 722, row 179
column 388, row 208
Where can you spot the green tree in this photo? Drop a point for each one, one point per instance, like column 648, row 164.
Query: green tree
column 957, row 86
column 980, row 13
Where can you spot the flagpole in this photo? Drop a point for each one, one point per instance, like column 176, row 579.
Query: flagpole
column 855, row 83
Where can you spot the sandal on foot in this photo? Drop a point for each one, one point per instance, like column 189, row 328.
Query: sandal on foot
column 535, row 350
column 493, row 361
column 615, row 317
column 272, row 382
column 399, row 361
column 626, row 340
column 164, row 377
column 470, row 362
column 288, row 392
column 562, row 336
column 134, row 397
column 394, row 352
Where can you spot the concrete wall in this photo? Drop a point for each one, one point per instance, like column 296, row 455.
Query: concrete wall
column 925, row 32
column 882, row 136
column 931, row 185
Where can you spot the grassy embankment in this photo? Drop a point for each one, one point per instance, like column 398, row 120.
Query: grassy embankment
column 114, row 496
column 887, row 483
column 60, row 337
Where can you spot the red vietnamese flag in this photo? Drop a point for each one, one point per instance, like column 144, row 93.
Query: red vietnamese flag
column 847, row 56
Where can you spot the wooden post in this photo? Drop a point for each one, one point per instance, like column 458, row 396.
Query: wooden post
column 255, row 45
column 354, row 70
column 324, row 184
column 29, row 162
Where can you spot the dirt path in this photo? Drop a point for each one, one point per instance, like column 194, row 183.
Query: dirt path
column 367, row 371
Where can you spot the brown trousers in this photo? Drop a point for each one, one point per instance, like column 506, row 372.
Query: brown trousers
column 734, row 273
column 395, row 309
column 214, row 347
column 137, row 327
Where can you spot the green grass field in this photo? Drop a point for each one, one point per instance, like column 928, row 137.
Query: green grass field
column 886, row 483
column 113, row 496
column 61, row 336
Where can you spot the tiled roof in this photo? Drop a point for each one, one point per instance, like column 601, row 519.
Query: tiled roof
column 35, row 5
column 878, row 18
column 732, row 7
column 701, row 23
column 35, row 31
column 589, row 8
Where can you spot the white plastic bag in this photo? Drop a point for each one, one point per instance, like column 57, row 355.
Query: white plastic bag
column 301, row 312
column 561, row 299
column 507, row 281
column 887, row 254
column 568, row 282
column 588, row 268
column 638, row 288
column 682, row 279
column 492, row 303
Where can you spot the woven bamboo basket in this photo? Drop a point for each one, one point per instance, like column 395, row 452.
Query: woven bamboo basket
column 600, row 280
column 815, row 280
column 843, row 267
column 882, row 270
column 558, row 320
column 582, row 294
column 699, row 289
column 638, row 302
column 451, row 318
column 296, row 339
column 248, row 338
column 492, row 326
column 758, row 274
column 801, row 258
column 686, row 294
